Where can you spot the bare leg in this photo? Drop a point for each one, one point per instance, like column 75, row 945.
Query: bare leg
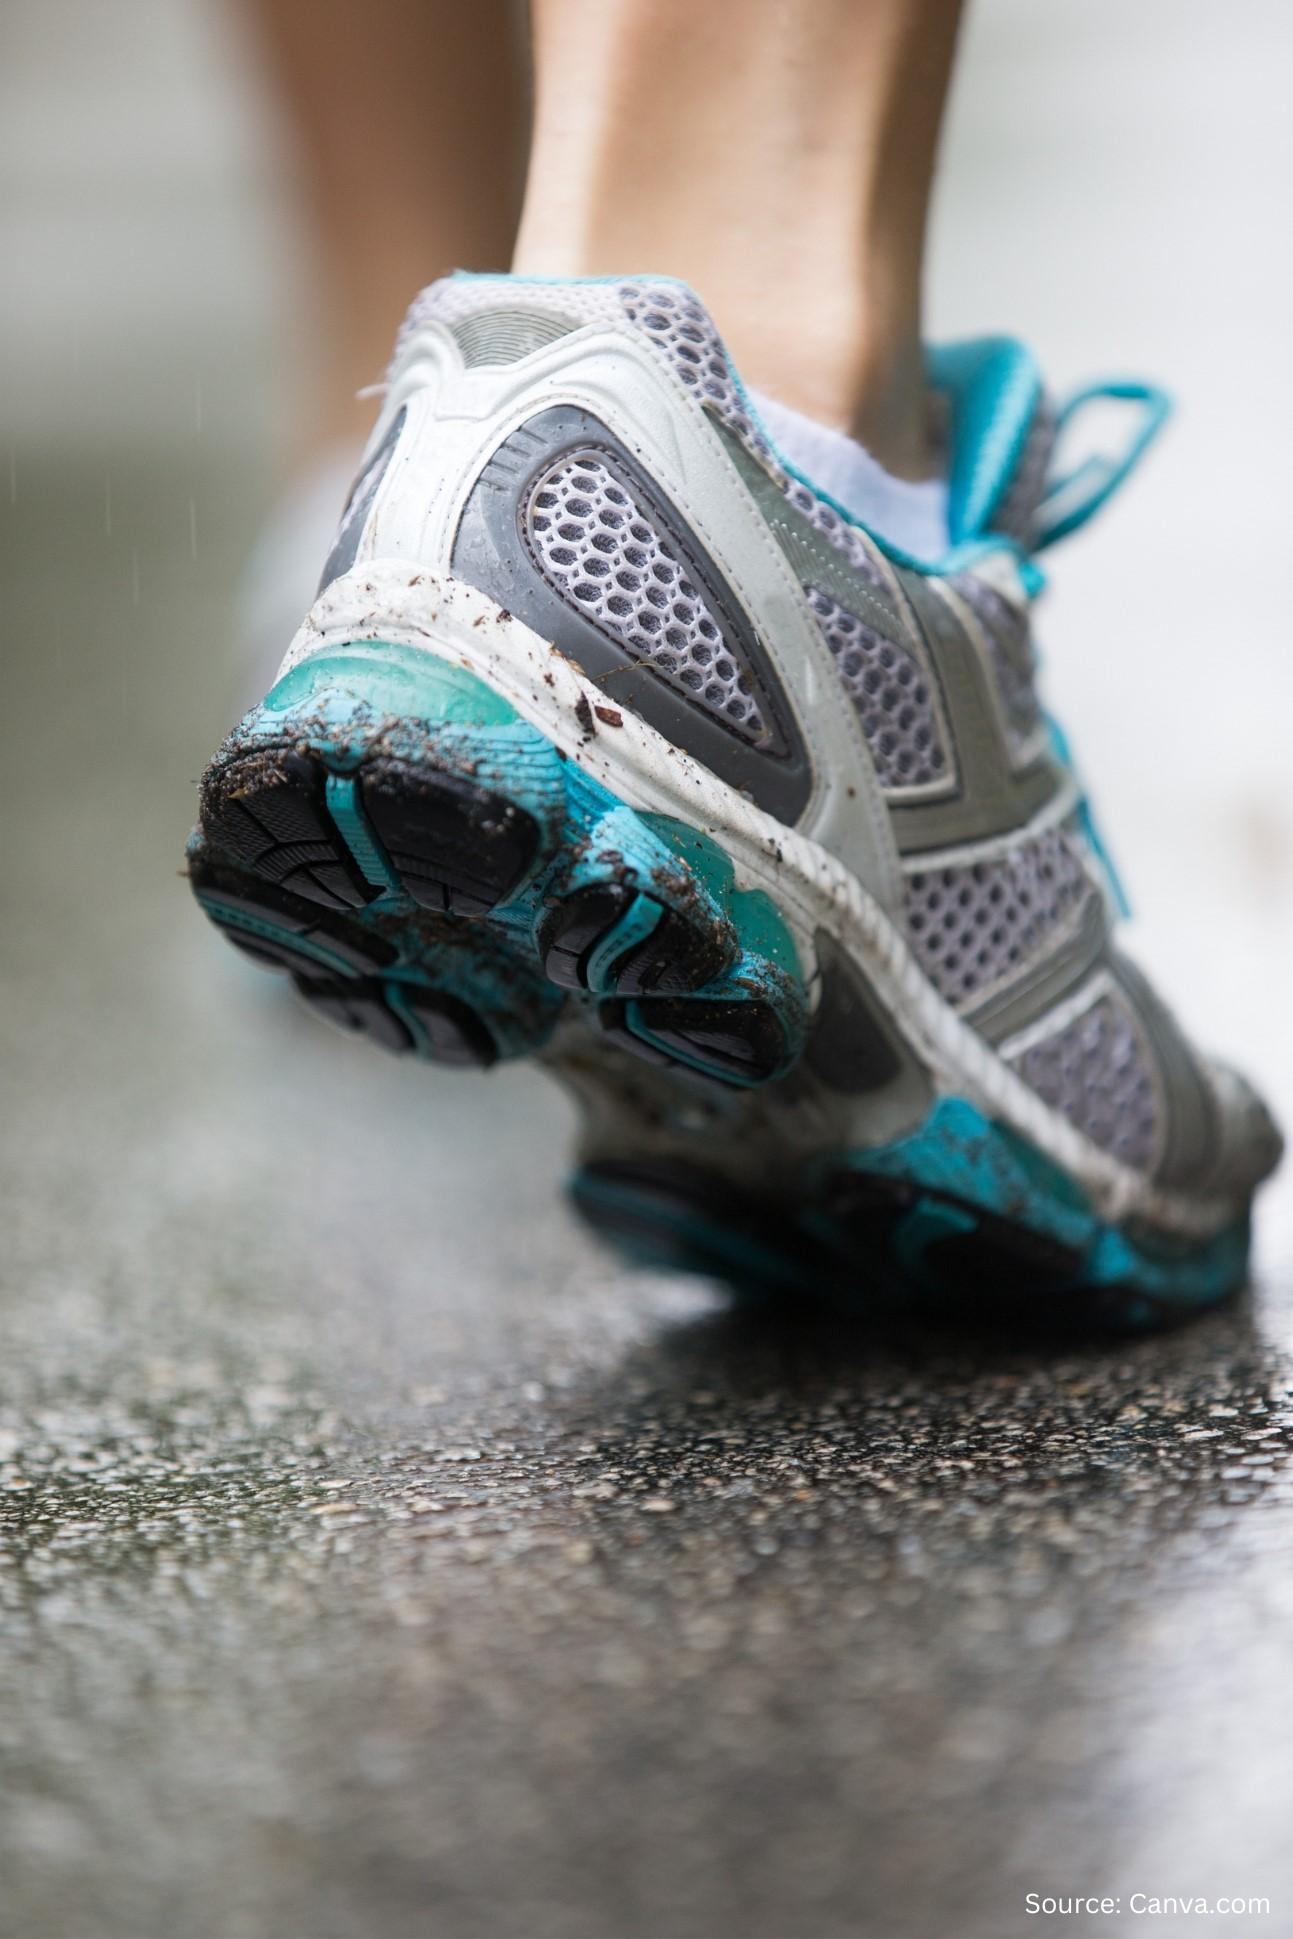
column 409, row 118
column 778, row 154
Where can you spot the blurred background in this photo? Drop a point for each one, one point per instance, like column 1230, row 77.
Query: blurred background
column 336, row 1595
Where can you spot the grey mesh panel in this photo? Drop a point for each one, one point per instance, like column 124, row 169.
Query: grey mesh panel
column 974, row 924
column 1098, row 1070
column 601, row 551
column 892, row 692
column 1005, row 629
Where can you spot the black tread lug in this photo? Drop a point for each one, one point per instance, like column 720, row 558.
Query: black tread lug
column 676, row 957
column 867, row 1208
column 1006, row 1258
column 455, row 1034
column 271, row 955
column 742, row 1040
column 267, row 810
column 458, row 848
column 244, row 894
column 574, row 927
column 356, row 1007
column 851, row 1194
column 611, row 1016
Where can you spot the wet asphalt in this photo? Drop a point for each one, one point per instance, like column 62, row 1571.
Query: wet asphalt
column 380, row 1560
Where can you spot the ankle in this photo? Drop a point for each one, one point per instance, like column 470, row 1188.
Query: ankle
column 845, row 373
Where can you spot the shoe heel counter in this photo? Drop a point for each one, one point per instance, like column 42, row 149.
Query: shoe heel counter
column 543, row 457
column 652, row 563
column 469, row 362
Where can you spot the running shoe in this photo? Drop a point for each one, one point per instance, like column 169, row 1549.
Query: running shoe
column 612, row 741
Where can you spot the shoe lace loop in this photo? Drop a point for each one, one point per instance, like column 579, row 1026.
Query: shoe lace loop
column 1074, row 496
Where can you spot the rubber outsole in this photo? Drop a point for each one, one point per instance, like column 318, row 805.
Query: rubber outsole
column 914, row 1227
column 443, row 858
column 431, row 871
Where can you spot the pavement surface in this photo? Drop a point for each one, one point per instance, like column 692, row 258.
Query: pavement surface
column 380, row 1560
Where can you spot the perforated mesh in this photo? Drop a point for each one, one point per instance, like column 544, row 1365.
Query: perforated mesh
column 1099, row 1071
column 893, row 693
column 1010, row 651
column 680, row 328
column 825, row 519
column 681, row 331
column 602, row 553
column 976, row 924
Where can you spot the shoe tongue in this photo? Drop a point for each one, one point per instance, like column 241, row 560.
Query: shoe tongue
column 1000, row 433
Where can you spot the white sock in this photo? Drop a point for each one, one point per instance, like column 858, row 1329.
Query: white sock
column 910, row 514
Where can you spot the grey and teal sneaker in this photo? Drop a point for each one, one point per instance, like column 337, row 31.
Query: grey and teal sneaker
column 612, row 741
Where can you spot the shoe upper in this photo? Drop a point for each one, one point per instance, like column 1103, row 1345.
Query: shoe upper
column 585, row 454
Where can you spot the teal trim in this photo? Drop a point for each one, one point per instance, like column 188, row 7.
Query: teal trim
column 371, row 678
column 993, row 387
column 1198, row 1278
column 638, row 921
column 346, row 810
column 959, row 1151
column 957, row 1167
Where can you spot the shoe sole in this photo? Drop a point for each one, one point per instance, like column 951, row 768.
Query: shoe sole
column 365, row 852
column 430, row 869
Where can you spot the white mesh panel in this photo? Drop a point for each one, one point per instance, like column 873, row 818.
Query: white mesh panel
column 1005, row 629
column 893, row 693
column 602, row 553
column 976, row 924
column 1099, row 1071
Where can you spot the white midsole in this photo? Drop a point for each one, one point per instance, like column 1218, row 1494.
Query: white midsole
column 415, row 606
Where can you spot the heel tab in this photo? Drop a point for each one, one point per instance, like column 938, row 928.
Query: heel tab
column 498, row 318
